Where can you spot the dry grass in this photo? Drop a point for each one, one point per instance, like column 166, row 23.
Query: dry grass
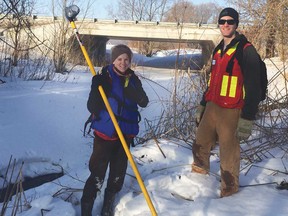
column 177, row 121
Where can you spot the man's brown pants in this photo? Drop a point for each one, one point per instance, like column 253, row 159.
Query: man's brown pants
column 221, row 123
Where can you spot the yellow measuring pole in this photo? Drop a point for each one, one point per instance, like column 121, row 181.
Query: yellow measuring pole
column 119, row 132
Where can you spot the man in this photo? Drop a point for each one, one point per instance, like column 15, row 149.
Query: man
column 229, row 104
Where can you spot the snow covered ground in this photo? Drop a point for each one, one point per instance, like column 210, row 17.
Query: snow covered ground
column 41, row 124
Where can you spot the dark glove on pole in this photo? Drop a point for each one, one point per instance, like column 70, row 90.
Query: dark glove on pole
column 136, row 93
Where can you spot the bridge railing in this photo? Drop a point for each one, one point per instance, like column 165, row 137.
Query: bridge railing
column 110, row 21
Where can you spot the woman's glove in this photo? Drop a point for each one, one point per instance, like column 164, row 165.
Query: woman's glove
column 102, row 80
column 136, row 93
column 244, row 128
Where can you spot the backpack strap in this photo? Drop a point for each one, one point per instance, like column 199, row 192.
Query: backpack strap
column 89, row 120
column 217, row 48
column 238, row 55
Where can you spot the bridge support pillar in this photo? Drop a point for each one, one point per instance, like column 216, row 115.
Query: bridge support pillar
column 96, row 49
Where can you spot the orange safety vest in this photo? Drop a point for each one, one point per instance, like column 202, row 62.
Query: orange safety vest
column 226, row 89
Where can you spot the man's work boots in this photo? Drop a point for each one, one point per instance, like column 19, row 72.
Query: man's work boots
column 86, row 208
column 197, row 169
column 228, row 192
column 107, row 209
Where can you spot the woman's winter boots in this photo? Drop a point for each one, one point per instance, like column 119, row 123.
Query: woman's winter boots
column 107, row 209
column 86, row 208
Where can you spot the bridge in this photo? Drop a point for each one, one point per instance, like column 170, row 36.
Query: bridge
column 207, row 35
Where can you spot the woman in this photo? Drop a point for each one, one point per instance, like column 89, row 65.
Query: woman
column 124, row 92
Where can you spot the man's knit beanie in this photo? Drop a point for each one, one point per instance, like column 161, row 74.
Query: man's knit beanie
column 119, row 50
column 230, row 12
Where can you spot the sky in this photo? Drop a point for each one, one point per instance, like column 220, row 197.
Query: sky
column 98, row 7
column 41, row 126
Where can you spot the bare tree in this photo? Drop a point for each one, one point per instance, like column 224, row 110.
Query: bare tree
column 266, row 23
column 60, row 30
column 4, row 10
column 282, row 46
column 207, row 13
column 145, row 10
column 185, row 11
column 182, row 11
column 17, row 24
column 141, row 10
column 271, row 28
column 64, row 47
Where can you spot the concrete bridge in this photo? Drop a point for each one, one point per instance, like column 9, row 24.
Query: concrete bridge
column 206, row 35
column 100, row 31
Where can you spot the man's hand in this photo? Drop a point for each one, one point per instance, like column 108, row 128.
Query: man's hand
column 244, row 129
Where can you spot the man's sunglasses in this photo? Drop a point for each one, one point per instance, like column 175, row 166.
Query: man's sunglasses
column 229, row 22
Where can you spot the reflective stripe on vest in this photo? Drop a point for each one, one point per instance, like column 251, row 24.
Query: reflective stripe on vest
column 233, row 85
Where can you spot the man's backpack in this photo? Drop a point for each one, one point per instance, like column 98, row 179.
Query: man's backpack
column 239, row 56
column 263, row 70
column 263, row 79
